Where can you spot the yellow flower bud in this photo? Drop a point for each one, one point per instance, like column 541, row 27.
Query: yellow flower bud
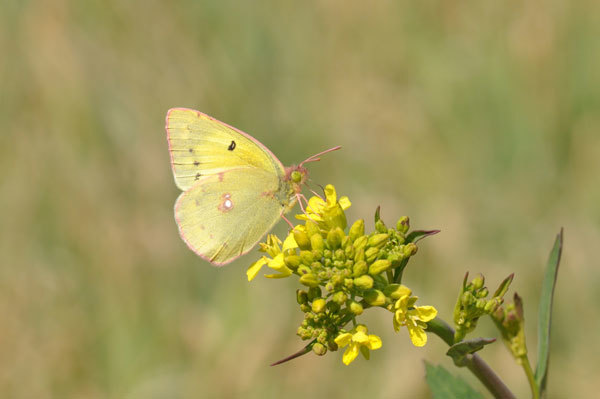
column 359, row 268
column 396, row 291
column 359, row 255
column 365, row 282
column 357, row 230
column 319, row 349
column 309, row 280
column 378, row 240
column 356, row 308
column 292, row 261
column 360, row 243
column 312, row 228
column 307, row 257
column 403, row 224
column 371, row 254
column 301, row 239
column 410, row 249
column 374, row 297
column 379, row 266
column 339, row 297
column 334, row 238
column 316, row 241
column 318, row 305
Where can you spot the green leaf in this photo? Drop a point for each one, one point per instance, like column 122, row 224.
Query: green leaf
column 459, row 350
column 444, row 385
column 545, row 312
column 417, row 235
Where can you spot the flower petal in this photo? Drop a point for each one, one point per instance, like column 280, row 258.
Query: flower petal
column 360, row 337
column 289, row 242
column 417, row 335
column 350, row 354
column 343, row 339
column 345, row 203
column 425, row 313
column 255, row 268
column 374, row 342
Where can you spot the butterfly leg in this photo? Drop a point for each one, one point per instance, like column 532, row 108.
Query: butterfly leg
column 287, row 221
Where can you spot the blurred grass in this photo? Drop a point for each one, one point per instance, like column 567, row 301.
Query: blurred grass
column 481, row 119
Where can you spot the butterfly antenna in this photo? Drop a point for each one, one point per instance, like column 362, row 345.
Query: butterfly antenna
column 315, row 157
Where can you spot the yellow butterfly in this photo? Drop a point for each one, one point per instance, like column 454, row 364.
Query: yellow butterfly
column 234, row 188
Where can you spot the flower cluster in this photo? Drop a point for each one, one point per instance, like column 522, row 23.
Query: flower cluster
column 345, row 273
column 472, row 303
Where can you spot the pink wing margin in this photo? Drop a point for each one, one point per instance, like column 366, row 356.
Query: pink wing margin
column 255, row 141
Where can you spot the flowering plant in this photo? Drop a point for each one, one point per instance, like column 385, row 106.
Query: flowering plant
column 346, row 271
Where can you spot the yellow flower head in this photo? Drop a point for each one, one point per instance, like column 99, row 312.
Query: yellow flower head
column 328, row 213
column 273, row 249
column 413, row 317
column 357, row 340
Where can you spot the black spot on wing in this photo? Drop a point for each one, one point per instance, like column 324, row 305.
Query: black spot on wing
column 231, row 146
column 196, row 163
column 197, row 176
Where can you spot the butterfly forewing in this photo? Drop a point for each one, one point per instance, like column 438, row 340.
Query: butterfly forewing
column 223, row 216
column 202, row 146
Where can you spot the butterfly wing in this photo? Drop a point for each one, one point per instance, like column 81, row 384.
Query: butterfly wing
column 202, row 146
column 223, row 216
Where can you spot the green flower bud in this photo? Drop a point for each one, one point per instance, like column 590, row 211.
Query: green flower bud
column 301, row 296
column 396, row 291
column 331, row 345
column 303, row 269
column 371, row 254
column 478, row 282
column 357, row 230
column 467, row 298
column 480, row 303
column 309, row 280
column 337, row 279
column 349, row 264
column 359, row 268
column 314, row 293
column 301, row 239
column 348, row 283
column 380, row 226
column 339, row 254
column 334, row 238
column 333, row 307
column 377, row 240
column 319, row 349
column 317, row 242
column 379, row 266
column 305, row 308
column 364, row 282
column 329, row 287
column 356, row 308
column 292, row 261
column 318, row 305
column 403, row 224
column 339, row 297
column 482, row 293
column 307, row 257
column 360, row 243
column 374, row 297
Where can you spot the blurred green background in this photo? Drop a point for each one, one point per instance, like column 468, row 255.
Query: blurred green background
column 478, row 118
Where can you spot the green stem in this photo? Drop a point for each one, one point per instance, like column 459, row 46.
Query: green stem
column 535, row 392
column 474, row 362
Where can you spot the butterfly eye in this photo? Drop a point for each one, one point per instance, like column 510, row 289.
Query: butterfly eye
column 296, row 176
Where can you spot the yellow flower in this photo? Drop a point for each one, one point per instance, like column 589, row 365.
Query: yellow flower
column 328, row 213
column 413, row 317
column 357, row 340
column 273, row 249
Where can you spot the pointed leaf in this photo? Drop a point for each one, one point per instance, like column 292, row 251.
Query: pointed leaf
column 301, row 352
column 458, row 351
column 417, row 235
column 444, row 385
column 545, row 312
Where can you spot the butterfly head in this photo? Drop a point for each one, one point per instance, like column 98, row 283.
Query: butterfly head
column 296, row 175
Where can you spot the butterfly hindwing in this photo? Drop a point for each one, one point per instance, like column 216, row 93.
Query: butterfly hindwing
column 202, row 146
column 223, row 216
